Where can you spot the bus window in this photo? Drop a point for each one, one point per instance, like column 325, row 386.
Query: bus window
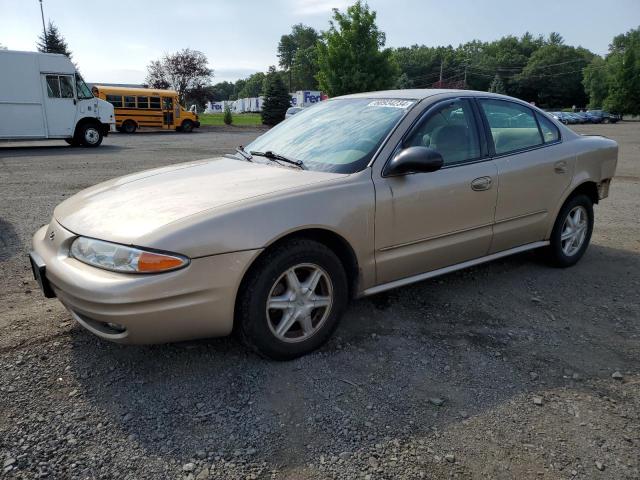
column 129, row 102
column 155, row 102
column 143, row 102
column 167, row 103
column 115, row 100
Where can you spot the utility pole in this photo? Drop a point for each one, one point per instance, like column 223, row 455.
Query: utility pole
column 44, row 30
column 465, row 77
column 441, row 73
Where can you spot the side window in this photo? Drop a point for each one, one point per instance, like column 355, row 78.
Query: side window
column 550, row 132
column 53, row 86
column 154, row 102
column 129, row 102
column 450, row 130
column 143, row 102
column 66, row 86
column 513, row 126
column 115, row 100
column 167, row 103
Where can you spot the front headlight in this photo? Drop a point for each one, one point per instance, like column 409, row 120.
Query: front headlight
column 120, row 258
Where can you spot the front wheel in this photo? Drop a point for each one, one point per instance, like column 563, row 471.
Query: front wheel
column 187, row 126
column 572, row 231
column 91, row 135
column 292, row 300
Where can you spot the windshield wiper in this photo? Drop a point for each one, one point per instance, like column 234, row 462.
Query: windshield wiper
column 278, row 158
column 240, row 149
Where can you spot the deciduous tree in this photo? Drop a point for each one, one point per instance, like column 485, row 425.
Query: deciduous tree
column 183, row 71
column 351, row 56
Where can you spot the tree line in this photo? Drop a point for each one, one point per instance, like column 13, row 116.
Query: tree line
column 350, row 56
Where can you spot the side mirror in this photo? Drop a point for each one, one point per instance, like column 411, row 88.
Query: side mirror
column 413, row 160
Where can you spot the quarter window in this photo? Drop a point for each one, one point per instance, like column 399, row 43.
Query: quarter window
column 450, row 130
column 129, row 102
column 115, row 100
column 143, row 102
column 550, row 132
column 513, row 126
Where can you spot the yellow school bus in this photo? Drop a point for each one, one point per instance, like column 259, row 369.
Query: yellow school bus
column 147, row 107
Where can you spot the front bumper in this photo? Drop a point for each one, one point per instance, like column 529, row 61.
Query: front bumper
column 193, row 302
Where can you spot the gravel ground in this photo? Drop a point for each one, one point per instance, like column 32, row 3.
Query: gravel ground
column 508, row 370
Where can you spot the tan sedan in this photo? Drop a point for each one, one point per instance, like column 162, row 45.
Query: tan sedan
column 351, row 197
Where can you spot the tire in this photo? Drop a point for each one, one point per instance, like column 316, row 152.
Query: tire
column 187, row 126
column 270, row 279
column 605, row 120
column 128, row 126
column 566, row 252
column 90, row 135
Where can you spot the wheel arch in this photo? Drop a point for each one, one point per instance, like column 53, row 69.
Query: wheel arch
column 587, row 187
column 330, row 239
column 84, row 121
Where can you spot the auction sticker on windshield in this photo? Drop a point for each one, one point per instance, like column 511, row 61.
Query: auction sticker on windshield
column 393, row 103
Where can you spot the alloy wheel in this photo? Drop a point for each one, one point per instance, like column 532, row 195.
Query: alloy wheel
column 299, row 302
column 574, row 231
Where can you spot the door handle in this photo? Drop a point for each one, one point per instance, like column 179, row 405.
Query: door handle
column 481, row 183
column 560, row 167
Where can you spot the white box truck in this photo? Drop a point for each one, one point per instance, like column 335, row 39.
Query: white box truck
column 42, row 96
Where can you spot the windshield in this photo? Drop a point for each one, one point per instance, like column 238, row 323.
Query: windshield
column 335, row 135
column 83, row 91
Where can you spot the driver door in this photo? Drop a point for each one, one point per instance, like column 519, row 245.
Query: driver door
column 60, row 104
column 427, row 221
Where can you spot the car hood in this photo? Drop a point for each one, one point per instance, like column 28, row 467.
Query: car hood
column 127, row 208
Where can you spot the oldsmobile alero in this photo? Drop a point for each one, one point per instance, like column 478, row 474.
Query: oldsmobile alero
column 351, row 197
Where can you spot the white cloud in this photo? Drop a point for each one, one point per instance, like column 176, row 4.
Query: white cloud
column 314, row 7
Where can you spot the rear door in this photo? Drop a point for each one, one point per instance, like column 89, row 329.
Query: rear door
column 534, row 169
column 60, row 104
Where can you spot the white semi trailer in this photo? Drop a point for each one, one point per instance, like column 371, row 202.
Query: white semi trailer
column 42, row 96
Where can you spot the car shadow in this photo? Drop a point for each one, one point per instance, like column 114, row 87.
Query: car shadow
column 474, row 339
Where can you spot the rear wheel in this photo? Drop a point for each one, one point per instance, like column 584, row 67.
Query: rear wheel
column 129, row 126
column 292, row 300
column 572, row 231
column 90, row 135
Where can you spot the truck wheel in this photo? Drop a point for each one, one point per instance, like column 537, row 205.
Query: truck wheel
column 90, row 135
column 187, row 126
column 129, row 126
column 72, row 141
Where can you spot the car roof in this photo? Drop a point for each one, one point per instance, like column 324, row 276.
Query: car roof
column 422, row 93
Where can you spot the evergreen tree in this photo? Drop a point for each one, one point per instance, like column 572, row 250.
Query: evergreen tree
column 228, row 118
column 52, row 41
column 497, row 86
column 276, row 98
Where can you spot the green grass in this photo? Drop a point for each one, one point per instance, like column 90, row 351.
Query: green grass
column 240, row 119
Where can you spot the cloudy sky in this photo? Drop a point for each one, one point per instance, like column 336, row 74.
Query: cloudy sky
column 114, row 41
